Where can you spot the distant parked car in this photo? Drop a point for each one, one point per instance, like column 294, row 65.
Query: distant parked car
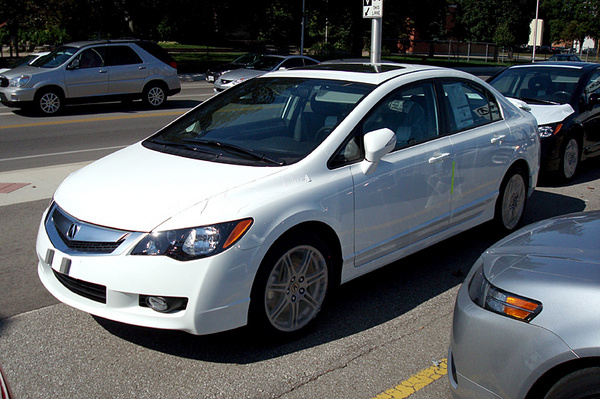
column 565, row 57
column 261, row 66
column 526, row 318
column 251, row 207
column 27, row 60
column 92, row 71
column 213, row 73
column 565, row 99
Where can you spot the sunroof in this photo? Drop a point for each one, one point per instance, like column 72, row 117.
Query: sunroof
column 355, row 67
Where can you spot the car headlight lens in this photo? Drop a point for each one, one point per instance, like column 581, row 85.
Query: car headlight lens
column 193, row 243
column 19, row 81
column 240, row 80
column 549, row 130
column 492, row 298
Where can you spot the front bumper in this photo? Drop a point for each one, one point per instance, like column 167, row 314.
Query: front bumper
column 217, row 288
column 492, row 356
column 16, row 97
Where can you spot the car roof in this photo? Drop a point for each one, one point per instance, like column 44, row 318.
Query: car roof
column 86, row 43
column 559, row 64
column 371, row 73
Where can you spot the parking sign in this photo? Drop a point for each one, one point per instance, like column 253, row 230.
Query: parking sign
column 372, row 8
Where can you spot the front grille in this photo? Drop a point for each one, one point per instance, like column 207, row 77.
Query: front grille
column 75, row 237
column 92, row 291
column 91, row 246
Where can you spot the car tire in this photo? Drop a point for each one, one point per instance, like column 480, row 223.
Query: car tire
column 154, row 95
column 579, row 384
column 291, row 286
column 570, row 156
column 511, row 201
column 48, row 102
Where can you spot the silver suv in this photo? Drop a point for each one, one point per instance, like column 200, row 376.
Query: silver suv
column 92, row 71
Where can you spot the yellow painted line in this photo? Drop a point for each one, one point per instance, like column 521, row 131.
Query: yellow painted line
column 416, row 382
column 99, row 119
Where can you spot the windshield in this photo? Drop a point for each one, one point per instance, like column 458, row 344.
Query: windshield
column 265, row 63
column 266, row 122
column 55, row 58
column 245, row 59
column 541, row 85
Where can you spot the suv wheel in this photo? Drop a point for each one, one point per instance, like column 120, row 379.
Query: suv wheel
column 48, row 102
column 154, row 95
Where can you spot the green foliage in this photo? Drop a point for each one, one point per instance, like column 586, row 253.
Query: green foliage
column 572, row 19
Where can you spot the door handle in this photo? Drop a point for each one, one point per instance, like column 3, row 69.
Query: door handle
column 437, row 157
column 498, row 139
column 102, row 71
column 142, row 67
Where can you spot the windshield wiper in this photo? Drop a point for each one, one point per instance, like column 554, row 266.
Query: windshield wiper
column 232, row 147
column 536, row 101
column 181, row 145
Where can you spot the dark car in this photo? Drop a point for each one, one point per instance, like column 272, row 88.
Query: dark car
column 564, row 57
column 213, row 73
column 565, row 99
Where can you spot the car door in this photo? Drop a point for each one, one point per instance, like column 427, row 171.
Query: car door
column 482, row 149
column 87, row 74
column 126, row 72
column 406, row 200
column 589, row 118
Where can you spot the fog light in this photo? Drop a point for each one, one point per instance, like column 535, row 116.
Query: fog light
column 163, row 304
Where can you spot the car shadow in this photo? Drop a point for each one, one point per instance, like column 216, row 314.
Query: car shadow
column 357, row 306
column 111, row 107
column 588, row 170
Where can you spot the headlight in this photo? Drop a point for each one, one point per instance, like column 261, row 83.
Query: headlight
column 193, row 243
column 19, row 81
column 240, row 80
column 492, row 298
column 549, row 130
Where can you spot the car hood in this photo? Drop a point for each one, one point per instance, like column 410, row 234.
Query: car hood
column 225, row 67
column 23, row 70
column 546, row 114
column 138, row 189
column 562, row 247
column 242, row 73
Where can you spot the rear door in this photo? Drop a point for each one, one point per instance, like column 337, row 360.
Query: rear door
column 407, row 199
column 127, row 71
column 482, row 148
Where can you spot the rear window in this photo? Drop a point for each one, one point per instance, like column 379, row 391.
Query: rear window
column 157, row 51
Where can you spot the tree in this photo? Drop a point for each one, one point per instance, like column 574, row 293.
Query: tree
column 572, row 19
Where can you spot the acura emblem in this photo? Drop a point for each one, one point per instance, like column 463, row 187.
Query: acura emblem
column 73, row 229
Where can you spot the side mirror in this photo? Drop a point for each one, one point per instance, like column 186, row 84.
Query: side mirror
column 377, row 143
column 74, row 64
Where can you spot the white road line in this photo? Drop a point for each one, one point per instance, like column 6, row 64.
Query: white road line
column 63, row 153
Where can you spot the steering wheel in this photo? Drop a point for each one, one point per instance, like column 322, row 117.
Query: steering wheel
column 322, row 133
column 562, row 96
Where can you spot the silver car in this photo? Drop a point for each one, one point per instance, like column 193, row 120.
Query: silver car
column 261, row 66
column 526, row 319
column 92, row 71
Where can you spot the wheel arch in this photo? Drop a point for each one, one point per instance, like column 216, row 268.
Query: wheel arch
column 324, row 231
column 50, row 87
column 156, row 82
column 543, row 384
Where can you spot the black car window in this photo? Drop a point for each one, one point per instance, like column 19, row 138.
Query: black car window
column 593, row 85
column 122, row 55
column 469, row 106
column 292, row 62
column 91, row 58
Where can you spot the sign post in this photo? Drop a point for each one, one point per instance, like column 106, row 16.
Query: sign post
column 374, row 9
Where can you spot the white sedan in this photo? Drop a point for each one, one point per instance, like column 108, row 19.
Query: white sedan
column 252, row 206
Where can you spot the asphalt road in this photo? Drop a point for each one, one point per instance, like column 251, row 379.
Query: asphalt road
column 378, row 332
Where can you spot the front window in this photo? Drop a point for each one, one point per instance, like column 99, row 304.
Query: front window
column 265, row 63
column 266, row 121
column 539, row 85
column 55, row 58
